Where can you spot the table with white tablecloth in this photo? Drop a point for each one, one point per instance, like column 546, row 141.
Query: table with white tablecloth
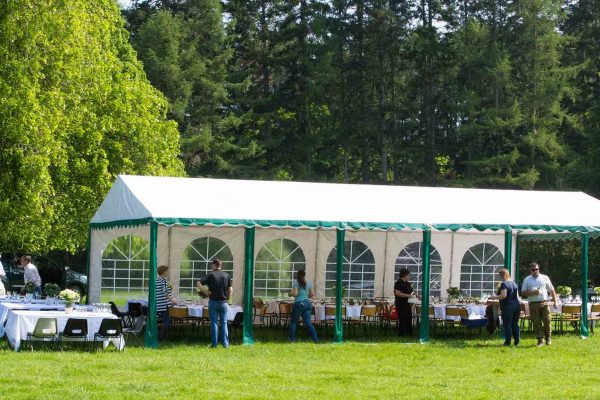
column 6, row 307
column 20, row 322
column 197, row 310
column 439, row 310
column 352, row 311
column 558, row 310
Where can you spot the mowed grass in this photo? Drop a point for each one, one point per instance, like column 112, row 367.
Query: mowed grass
column 394, row 369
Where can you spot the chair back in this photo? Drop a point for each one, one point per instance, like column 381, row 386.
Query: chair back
column 138, row 326
column 110, row 327
column 463, row 312
column 45, row 327
column 571, row 309
column 285, row 309
column 368, row 311
column 178, row 312
column 114, row 309
column 258, row 306
column 453, row 311
column 76, row 327
column 134, row 309
column 595, row 308
column 205, row 313
column 238, row 319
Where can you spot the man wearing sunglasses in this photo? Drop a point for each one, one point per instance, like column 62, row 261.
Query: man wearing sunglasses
column 536, row 287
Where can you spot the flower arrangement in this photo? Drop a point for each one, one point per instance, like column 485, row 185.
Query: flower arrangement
column 52, row 289
column 69, row 296
column 453, row 292
column 563, row 291
column 29, row 287
column 597, row 290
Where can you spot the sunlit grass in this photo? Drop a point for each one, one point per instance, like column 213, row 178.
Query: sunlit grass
column 382, row 369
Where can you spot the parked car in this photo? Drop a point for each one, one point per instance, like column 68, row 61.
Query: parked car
column 50, row 272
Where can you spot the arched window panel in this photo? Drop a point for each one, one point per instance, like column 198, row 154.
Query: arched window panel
column 411, row 258
column 479, row 270
column 358, row 271
column 196, row 262
column 274, row 268
column 125, row 266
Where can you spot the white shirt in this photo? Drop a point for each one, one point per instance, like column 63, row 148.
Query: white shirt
column 31, row 274
column 532, row 283
column 2, row 273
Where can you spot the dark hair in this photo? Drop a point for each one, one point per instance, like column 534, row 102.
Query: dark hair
column 162, row 269
column 216, row 262
column 404, row 272
column 300, row 277
column 27, row 258
column 533, row 265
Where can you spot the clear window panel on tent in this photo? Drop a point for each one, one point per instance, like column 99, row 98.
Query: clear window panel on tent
column 274, row 269
column 358, row 272
column 196, row 262
column 411, row 258
column 479, row 270
column 125, row 263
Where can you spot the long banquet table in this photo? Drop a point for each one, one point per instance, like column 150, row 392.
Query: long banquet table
column 6, row 307
column 20, row 322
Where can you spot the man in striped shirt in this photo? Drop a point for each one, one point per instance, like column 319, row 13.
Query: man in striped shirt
column 163, row 299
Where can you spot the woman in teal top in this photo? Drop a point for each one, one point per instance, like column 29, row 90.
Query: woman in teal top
column 302, row 290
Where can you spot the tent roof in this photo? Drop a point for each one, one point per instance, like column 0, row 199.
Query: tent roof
column 135, row 200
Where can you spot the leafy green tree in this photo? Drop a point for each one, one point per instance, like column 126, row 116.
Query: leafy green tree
column 75, row 111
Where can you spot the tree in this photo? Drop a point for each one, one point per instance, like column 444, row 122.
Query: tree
column 75, row 111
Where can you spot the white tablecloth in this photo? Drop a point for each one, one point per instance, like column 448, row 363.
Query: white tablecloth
column 6, row 307
column 558, row 310
column 439, row 310
column 352, row 312
column 19, row 323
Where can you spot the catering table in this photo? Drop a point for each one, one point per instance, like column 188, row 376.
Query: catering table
column 439, row 310
column 352, row 312
column 558, row 310
column 6, row 307
column 21, row 322
column 196, row 310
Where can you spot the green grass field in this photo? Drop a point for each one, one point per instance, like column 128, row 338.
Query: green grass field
column 386, row 369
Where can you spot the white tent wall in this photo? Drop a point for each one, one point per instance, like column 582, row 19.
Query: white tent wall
column 182, row 236
column 326, row 240
column 306, row 239
column 102, row 237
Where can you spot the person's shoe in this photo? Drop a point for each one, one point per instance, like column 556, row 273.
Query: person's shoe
column 506, row 344
column 548, row 342
column 516, row 344
column 540, row 343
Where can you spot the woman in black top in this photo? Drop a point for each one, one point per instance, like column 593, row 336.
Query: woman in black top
column 403, row 291
column 510, row 307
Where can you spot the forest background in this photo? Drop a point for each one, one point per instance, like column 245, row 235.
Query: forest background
column 479, row 93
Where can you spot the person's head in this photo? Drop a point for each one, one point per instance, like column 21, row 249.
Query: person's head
column 25, row 260
column 534, row 269
column 216, row 264
column 404, row 274
column 301, row 278
column 162, row 270
column 504, row 274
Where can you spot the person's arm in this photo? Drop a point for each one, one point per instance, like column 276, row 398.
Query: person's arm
column 526, row 290
column 399, row 293
column 502, row 294
column 311, row 293
column 229, row 292
column 294, row 292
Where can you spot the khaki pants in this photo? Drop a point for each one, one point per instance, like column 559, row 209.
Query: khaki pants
column 540, row 313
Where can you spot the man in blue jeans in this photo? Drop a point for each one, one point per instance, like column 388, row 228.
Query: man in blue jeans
column 219, row 293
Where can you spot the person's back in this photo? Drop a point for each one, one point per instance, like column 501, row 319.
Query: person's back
column 218, row 283
column 512, row 296
column 302, row 291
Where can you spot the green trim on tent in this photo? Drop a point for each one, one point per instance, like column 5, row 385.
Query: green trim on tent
column 426, row 278
column 151, row 336
column 584, row 282
column 88, row 262
column 338, row 334
column 248, row 332
column 560, row 229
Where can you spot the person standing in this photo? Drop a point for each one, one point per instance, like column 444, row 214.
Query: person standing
column 31, row 274
column 219, row 287
column 163, row 300
column 403, row 291
column 2, row 275
column 302, row 291
column 537, row 287
column 510, row 307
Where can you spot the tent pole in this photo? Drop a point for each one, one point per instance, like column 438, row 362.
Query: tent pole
column 338, row 335
column 249, row 235
column 585, row 239
column 508, row 250
column 424, row 327
column 151, row 335
column 88, row 262
column 517, row 261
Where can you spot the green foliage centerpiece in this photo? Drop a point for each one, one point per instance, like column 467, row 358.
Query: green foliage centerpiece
column 453, row 293
column 52, row 289
column 563, row 291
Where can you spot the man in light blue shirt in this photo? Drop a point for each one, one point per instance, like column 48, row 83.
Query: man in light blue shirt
column 536, row 287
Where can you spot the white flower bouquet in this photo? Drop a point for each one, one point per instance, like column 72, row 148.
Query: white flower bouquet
column 69, row 297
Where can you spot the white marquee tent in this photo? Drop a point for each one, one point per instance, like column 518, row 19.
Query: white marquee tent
column 320, row 217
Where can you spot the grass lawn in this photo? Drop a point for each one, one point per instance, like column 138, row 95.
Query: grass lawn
column 387, row 369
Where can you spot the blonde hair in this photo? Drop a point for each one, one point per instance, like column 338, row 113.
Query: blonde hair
column 504, row 272
column 162, row 269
